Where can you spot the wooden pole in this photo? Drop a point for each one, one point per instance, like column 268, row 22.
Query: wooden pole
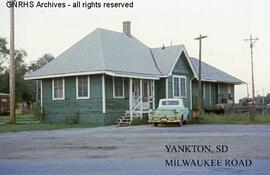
column 12, row 69
column 252, row 41
column 200, row 102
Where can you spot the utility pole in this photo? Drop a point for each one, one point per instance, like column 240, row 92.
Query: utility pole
column 252, row 41
column 247, row 91
column 200, row 102
column 12, row 69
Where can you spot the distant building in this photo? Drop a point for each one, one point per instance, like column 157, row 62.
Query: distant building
column 4, row 103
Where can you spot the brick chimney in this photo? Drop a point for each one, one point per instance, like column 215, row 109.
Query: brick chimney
column 126, row 28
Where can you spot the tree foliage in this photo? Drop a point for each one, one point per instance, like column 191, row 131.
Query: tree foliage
column 3, row 52
column 44, row 59
column 25, row 90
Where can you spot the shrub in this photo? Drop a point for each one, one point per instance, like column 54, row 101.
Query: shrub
column 140, row 121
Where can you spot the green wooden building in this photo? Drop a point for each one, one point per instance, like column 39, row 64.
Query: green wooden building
column 107, row 74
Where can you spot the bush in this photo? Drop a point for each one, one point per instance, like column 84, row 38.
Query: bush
column 72, row 119
column 140, row 121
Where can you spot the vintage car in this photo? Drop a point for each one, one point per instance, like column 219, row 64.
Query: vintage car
column 169, row 111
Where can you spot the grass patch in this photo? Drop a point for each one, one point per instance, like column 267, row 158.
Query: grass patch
column 28, row 123
column 138, row 121
column 242, row 119
column 40, row 126
column 19, row 119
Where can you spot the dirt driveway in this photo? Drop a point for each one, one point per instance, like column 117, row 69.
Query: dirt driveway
column 137, row 143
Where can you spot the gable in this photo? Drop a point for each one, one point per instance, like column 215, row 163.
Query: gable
column 167, row 58
column 182, row 66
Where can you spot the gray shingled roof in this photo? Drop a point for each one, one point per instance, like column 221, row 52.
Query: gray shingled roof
column 210, row 73
column 103, row 50
column 166, row 57
column 117, row 54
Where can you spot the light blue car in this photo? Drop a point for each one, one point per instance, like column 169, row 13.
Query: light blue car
column 170, row 111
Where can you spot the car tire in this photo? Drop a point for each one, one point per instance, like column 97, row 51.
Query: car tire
column 155, row 124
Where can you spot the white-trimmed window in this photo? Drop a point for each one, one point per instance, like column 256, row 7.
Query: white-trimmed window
column 179, row 86
column 118, row 87
column 58, row 89
column 82, row 87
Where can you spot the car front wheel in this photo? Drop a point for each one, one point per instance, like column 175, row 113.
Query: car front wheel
column 155, row 124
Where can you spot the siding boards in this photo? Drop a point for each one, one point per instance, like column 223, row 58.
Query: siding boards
column 206, row 95
column 160, row 90
column 84, row 110
column 181, row 68
column 216, row 95
column 116, row 106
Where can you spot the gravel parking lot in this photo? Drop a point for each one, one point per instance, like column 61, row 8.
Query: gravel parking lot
column 121, row 149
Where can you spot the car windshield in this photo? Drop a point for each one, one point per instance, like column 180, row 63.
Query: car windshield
column 171, row 102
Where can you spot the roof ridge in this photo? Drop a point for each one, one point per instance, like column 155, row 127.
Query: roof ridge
column 108, row 30
column 155, row 61
column 100, row 49
column 182, row 45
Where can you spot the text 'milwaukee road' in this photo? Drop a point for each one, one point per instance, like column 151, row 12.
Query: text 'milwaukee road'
column 203, row 149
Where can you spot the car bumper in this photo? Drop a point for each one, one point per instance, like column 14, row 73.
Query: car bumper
column 163, row 121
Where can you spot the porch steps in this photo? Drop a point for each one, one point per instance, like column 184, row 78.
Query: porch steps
column 126, row 119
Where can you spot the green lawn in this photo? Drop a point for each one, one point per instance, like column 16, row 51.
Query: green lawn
column 27, row 118
column 28, row 123
column 233, row 119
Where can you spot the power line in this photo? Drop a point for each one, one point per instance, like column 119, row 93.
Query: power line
column 252, row 41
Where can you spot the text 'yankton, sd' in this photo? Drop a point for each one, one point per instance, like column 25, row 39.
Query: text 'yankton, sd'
column 196, row 148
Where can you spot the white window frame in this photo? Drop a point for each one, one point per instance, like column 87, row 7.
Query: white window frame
column 63, row 98
column 179, row 77
column 114, row 96
column 77, row 89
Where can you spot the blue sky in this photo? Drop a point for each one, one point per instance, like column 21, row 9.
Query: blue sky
column 158, row 22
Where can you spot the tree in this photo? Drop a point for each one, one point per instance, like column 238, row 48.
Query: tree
column 44, row 59
column 3, row 53
column 25, row 90
column 4, row 81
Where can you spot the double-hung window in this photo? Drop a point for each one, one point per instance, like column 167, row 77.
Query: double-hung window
column 58, row 89
column 179, row 86
column 82, row 87
column 118, row 87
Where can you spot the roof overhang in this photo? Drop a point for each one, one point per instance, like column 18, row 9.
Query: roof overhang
column 227, row 82
column 115, row 74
